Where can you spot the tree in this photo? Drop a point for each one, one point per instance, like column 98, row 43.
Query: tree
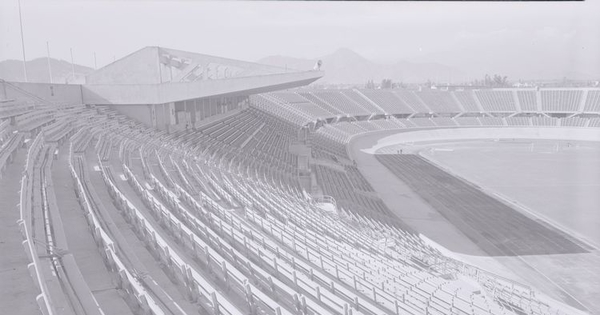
column 500, row 81
column 370, row 85
column 386, row 84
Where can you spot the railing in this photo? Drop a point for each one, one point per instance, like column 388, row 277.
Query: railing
column 44, row 299
column 127, row 280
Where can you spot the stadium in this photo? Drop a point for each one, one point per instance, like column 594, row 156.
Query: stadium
column 299, row 158
column 173, row 182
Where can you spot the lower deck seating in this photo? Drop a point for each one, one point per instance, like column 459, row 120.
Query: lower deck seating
column 342, row 187
column 249, row 244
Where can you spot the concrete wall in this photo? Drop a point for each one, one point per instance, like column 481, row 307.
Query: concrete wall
column 544, row 133
column 141, row 113
column 140, row 67
column 54, row 93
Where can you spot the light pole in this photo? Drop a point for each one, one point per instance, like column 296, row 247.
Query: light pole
column 22, row 43
column 49, row 66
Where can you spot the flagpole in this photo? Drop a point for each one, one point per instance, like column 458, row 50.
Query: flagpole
column 49, row 66
column 23, row 43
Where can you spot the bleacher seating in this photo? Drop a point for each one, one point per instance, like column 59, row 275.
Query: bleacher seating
column 388, row 101
column 594, row 122
column 341, row 103
column 444, row 122
column 412, row 101
column 439, row 102
column 221, row 211
column 518, row 121
column 573, row 122
column 592, row 102
column 422, row 122
column 467, row 100
column 356, row 97
column 11, row 108
column 543, row 121
column 467, row 121
column 496, row 100
column 33, row 119
column 561, row 100
column 4, row 129
column 298, row 102
column 491, row 121
column 527, row 100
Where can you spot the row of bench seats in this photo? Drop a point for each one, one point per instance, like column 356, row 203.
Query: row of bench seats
column 11, row 108
column 310, row 105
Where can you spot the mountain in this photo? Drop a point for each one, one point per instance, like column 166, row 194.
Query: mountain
column 37, row 71
column 345, row 66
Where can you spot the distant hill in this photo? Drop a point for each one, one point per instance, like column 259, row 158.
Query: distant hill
column 346, row 66
column 37, row 71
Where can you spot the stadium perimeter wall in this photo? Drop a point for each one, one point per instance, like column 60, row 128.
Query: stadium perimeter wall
column 541, row 133
column 55, row 93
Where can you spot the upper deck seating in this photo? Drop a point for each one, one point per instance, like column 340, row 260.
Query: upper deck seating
column 362, row 102
column 467, row 100
column 561, row 100
column 341, row 103
column 491, row 121
column 527, row 100
column 496, row 100
column 285, row 112
column 411, row 100
column 592, row 102
column 439, row 101
column 300, row 103
column 388, row 101
column 321, row 103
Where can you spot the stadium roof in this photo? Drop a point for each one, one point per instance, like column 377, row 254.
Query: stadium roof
column 156, row 75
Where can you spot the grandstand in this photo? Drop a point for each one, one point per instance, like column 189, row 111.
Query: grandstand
column 207, row 198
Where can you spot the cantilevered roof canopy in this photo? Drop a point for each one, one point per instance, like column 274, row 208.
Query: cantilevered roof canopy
column 157, row 75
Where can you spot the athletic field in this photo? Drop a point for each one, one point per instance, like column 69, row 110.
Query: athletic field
column 554, row 183
column 557, row 181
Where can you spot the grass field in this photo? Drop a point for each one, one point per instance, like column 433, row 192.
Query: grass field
column 558, row 181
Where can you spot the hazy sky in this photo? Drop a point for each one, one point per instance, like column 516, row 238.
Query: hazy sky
column 565, row 34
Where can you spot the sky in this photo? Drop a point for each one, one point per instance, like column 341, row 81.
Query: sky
column 484, row 35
